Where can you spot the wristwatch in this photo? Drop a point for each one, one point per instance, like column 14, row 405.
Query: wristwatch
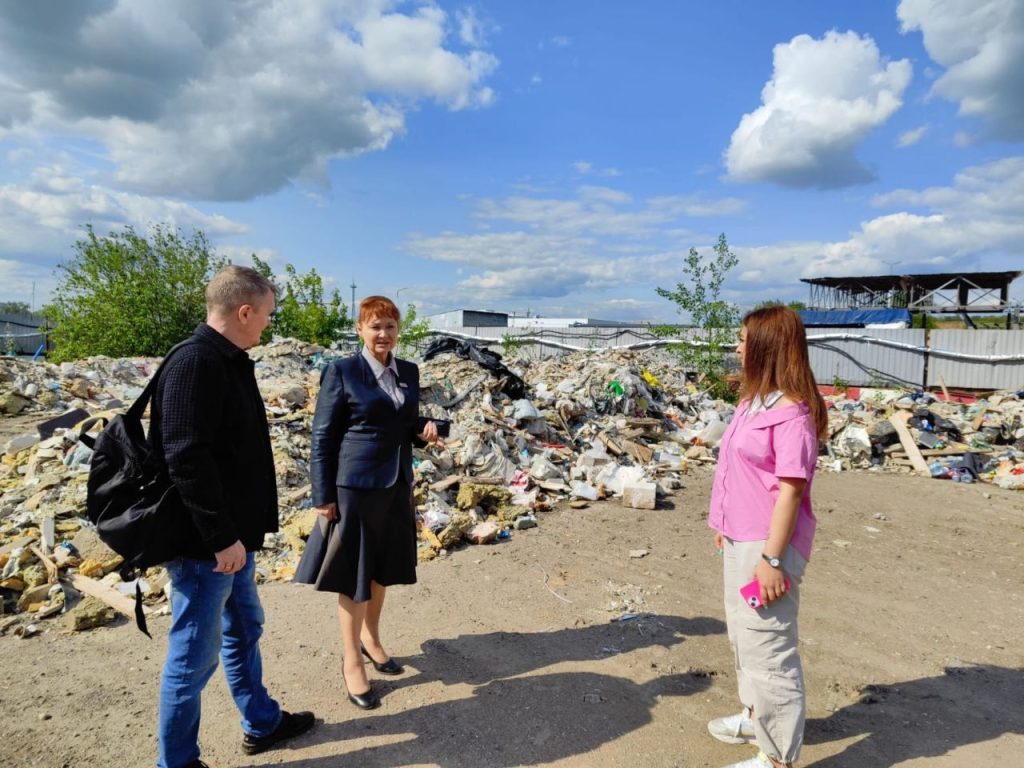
column 774, row 562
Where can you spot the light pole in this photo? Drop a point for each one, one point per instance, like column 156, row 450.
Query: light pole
column 398, row 294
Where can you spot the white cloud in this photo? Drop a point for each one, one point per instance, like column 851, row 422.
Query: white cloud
column 584, row 168
column 992, row 194
column 600, row 211
column 597, row 195
column 975, row 224
column 42, row 218
column 696, row 206
column 561, row 41
column 230, row 100
column 472, row 30
column 242, row 254
column 981, row 45
column 29, row 282
column 47, row 214
column 910, row 138
column 825, row 96
column 601, row 241
column 504, row 249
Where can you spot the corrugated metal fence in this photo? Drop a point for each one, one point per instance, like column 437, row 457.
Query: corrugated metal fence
column 855, row 357
column 20, row 333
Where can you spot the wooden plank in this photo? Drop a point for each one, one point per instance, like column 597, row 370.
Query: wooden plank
column 926, row 452
column 482, row 480
column 899, row 421
column 13, row 545
column 119, row 602
column 612, row 446
column 52, row 571
column 445, row 483
column 980, row 418
column 945, row 392
column 638, row 451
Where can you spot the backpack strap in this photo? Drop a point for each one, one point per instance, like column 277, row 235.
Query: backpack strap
column 85, row 426
column 136, row 409
column 139, row 406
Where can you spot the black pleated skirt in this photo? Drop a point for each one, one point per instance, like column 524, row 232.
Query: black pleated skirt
column 372, row 539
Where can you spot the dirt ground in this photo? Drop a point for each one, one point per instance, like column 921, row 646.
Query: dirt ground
column 524, row 653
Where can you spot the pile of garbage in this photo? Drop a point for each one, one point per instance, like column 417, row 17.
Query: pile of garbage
column 578, row 429
column 932, row 435
column 525, row 436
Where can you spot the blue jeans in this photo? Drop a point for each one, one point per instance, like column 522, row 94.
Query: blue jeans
column 211, row 613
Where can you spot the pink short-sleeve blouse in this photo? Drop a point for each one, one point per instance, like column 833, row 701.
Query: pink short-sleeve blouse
column 756, row 450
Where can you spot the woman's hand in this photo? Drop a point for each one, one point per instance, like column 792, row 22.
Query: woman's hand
column 330, row 511
column 773, row 582
column 429, row 433
column 719, row 542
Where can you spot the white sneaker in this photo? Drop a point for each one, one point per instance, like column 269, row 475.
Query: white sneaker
column 759, row 761
column 735, row 729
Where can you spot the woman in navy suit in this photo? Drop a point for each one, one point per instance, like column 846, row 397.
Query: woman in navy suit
column 364, row 428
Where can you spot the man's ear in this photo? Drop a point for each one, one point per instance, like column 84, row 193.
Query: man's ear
column 243, row 313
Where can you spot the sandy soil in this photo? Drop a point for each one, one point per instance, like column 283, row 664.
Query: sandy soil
column 911, row 628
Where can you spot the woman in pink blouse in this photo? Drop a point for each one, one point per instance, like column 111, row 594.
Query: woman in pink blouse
column 761, row 515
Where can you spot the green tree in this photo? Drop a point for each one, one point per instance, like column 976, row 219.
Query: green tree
column 126, row 294
column 796, row 306
column 303, row 313
column 264, row 269
column 699, row 296
column 412, row 332
column 14, row 308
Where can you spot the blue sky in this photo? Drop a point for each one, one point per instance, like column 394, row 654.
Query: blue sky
column 557, row 157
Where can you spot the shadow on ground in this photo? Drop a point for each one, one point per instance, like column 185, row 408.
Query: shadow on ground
column 923, row 718
column 524, row 721
column 478, row 659
column 511, row 720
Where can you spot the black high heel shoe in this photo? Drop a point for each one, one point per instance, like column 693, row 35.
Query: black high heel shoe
column 389, row 667
column 366, row 700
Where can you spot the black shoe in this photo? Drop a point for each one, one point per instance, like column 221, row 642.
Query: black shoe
column 290, row 725
column 389, row 667
column 197, row 764
column 368, row 700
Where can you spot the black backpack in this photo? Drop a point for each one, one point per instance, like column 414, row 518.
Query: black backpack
column 129, row 496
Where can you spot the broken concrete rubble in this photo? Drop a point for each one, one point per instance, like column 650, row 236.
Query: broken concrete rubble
column 586, row 426
column 640, row 495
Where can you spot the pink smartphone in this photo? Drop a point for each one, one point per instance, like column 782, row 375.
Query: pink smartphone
column 752, row 593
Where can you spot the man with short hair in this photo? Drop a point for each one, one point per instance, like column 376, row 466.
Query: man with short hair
column 210, row 426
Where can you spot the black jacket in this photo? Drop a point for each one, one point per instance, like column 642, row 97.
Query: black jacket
column 210, row 426
column 359, row 438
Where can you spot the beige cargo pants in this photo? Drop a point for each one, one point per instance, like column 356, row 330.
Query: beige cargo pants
column 768, row 668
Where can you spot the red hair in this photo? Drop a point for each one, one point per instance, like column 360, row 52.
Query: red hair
column 378, row 306
column 775, row 358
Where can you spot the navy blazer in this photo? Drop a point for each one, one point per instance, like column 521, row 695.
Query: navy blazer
column 359, row 438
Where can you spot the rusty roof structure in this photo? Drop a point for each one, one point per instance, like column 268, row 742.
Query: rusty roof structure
column 981, row 292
